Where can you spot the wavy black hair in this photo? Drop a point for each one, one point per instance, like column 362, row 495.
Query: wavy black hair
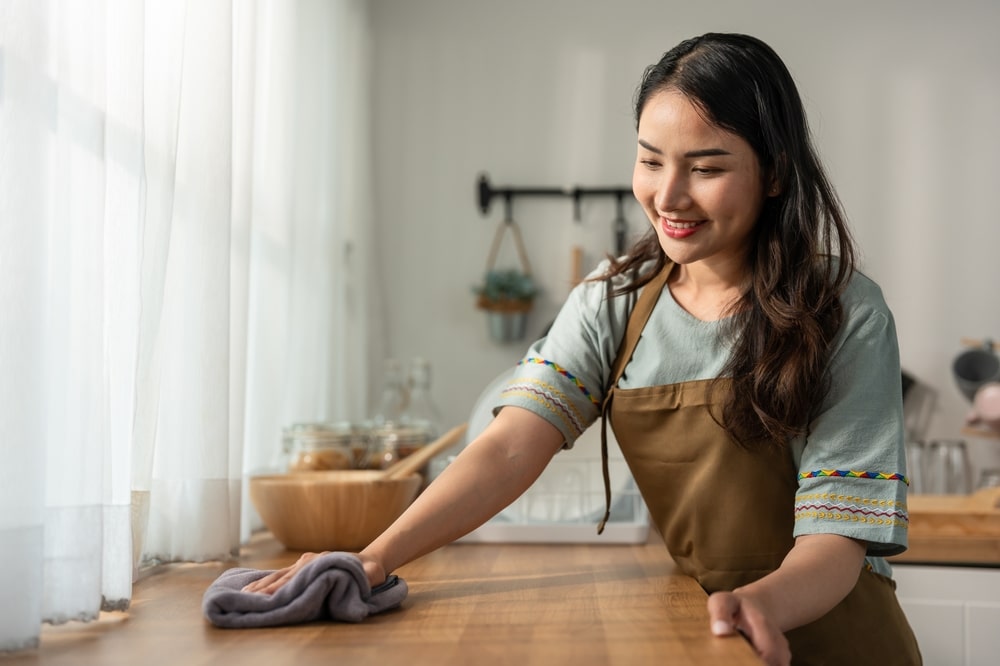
column 784, row 323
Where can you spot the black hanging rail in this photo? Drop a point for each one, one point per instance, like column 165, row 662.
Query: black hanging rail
column 486, row 192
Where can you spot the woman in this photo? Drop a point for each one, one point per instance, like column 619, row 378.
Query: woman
column 750, row 375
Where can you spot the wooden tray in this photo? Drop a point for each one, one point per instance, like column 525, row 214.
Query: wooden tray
column 954, row 529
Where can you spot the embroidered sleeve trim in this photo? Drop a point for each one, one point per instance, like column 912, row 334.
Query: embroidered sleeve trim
column 549, row 398
column 564, row 372
column 832, row 506
column 855, row 474
column 853, row 518
column 835, row 497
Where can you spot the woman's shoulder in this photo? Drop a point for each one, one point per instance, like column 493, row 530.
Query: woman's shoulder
column 600, row 277
column 599, row 293
column 596, row 305
column 867, row 317
column 863, row 295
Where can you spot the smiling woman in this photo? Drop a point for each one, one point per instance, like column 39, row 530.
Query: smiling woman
column 743, row 364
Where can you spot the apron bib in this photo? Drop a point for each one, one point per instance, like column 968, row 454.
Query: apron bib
column 726, row 514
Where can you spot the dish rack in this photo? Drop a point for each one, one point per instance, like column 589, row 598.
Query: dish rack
column 567, row 502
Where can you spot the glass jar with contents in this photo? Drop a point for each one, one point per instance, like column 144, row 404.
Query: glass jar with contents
column 391, row 444
column 325, row 446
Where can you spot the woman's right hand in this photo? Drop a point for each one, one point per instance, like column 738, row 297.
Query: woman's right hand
column 490, row 473
column 275, row 580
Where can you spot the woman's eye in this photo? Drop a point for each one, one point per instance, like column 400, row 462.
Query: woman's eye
column 706, row 171
column 652, row 164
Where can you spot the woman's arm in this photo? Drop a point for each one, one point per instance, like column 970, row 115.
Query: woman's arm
column 818, row 572
column 489, row 474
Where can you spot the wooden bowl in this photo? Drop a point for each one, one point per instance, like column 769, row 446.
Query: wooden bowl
column 331, row 510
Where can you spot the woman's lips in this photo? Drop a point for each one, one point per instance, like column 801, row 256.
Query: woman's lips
column 680, row 228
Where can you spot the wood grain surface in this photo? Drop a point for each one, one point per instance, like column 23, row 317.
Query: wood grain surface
column 468, row 604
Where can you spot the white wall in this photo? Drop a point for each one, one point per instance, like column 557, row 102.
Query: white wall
column 904, row 100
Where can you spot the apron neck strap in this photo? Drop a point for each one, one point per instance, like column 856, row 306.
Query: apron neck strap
column 633, row 330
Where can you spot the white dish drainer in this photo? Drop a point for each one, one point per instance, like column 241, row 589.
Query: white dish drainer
column 567, row 501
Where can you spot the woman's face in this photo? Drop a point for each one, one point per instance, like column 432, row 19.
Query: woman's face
column 701, row 186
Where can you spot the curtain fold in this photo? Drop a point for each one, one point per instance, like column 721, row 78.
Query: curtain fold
column 183, row 271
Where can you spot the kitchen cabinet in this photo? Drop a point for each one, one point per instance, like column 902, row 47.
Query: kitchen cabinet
column 954, row 611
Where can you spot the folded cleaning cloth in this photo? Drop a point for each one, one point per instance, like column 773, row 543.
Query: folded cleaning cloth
column 331, row 587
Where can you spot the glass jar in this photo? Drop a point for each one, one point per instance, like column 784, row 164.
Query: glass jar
column 325, row 446
column 394, row 397
column 391, row 444
column 420, row 411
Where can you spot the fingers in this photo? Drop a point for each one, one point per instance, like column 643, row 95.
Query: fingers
column 729, row 614
column 274, row 581
column 770, row 644
column 723, row 612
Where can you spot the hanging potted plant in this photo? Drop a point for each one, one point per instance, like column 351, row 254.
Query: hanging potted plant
column 507, row 296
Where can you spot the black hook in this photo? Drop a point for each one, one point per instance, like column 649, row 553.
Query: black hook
column 485, row 193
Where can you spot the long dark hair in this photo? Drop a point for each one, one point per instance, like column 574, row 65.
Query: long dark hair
column 783, row 325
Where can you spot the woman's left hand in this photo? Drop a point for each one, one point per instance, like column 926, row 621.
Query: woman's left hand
column 729, row 612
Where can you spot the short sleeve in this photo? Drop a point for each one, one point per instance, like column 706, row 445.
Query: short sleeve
column 852, row 464
column 563, row 376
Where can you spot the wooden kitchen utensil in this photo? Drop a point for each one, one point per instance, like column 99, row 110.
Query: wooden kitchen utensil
column 416, row 460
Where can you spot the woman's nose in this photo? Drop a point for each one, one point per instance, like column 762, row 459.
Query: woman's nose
column 672, row 193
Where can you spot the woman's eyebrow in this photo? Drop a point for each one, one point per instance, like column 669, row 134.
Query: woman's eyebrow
column 707, row 152
column 703, row 152
column 650, row 147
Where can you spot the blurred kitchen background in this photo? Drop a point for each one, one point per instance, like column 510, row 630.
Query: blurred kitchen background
column 903, row 98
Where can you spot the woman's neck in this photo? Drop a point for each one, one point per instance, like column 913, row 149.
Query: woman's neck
column 706, row 293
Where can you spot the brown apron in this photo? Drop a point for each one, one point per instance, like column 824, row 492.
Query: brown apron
column 726, row 514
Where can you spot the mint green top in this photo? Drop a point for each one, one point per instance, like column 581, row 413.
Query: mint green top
column 851, row 466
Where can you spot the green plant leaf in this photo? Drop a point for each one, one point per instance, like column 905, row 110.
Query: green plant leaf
column 507, row 284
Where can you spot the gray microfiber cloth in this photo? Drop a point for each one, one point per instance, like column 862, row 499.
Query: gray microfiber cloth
column 331, row 587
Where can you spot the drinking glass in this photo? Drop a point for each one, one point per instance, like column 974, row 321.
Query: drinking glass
column 989, row 478
column 946, row 467
column 915, row 466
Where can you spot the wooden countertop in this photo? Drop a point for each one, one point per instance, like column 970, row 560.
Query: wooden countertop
column 468, row 604
column 567, row 603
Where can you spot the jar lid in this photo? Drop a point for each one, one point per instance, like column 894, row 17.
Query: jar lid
column 322, row 433
column 401, row 435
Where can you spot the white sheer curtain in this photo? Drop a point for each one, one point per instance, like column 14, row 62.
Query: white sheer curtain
column 183, row 270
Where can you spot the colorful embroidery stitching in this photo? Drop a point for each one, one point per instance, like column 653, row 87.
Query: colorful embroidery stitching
column 856, row 510
column 851, row 499
column 549, row 396
column 548, row 405
column 562, row 371
column 838, row 507
column 869, row 520
column 854, row 474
